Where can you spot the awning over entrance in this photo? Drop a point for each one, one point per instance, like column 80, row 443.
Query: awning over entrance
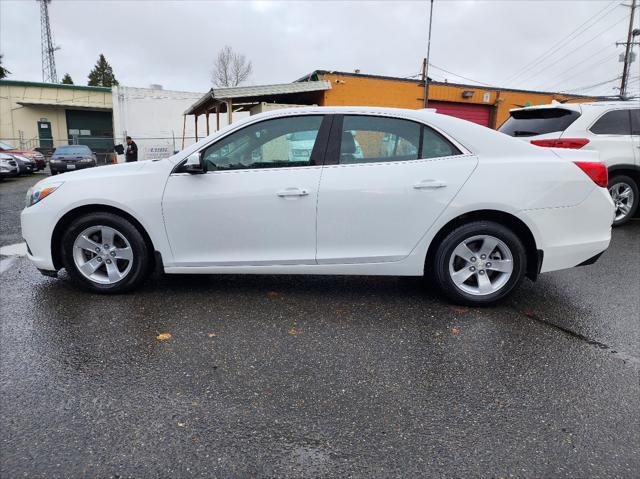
column 228, row 100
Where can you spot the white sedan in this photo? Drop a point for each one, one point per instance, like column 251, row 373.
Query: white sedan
column 426, row 194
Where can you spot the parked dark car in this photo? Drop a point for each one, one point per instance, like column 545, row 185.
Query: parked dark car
column 34, row 155
column 26, row 166
column 71, row 157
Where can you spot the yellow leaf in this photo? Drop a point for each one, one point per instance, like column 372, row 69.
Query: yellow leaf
column 212, row 335
column 163, row 336
column 294, row 331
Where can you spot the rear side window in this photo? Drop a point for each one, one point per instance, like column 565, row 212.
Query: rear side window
column 635, row 122
column 538, row 121
column 370, row 139
column 617, row 122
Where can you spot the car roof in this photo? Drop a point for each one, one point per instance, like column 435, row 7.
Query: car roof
column 471, row 136
column 580, row 106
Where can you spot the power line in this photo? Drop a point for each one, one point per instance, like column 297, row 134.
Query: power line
column 589, row 87
column 459, row 76
column 586, row 61
column 566, row 40
column 582, row 45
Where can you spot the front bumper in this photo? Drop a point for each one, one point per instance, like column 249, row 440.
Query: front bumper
column 62, row 166
column 37, row 229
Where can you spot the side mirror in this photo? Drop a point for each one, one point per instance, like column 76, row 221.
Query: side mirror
column 195, row 164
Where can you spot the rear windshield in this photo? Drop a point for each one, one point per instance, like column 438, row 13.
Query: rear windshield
column 538, row 121
column 70, row 150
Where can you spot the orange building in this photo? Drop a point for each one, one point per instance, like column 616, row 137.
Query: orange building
column 488, row 106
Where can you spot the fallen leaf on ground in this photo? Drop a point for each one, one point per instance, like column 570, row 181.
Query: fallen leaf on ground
column 163, row 336
column 455, row 330
column 212, row 335
column 339, row 312
column 180, row 424
column 294, row 331
column 273, row 294
column 458, row 309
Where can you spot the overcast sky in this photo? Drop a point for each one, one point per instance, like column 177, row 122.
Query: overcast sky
column 174, row 43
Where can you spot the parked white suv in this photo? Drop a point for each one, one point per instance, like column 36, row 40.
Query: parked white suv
column 610, row 128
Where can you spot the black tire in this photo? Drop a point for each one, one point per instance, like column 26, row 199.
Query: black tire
column 441, row 261
column 623, row 179
column 54, row 173
column 142, row 255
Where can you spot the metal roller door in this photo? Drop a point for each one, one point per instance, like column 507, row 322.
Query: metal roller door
column 480, row 114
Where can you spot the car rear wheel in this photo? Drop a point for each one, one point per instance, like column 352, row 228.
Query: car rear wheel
column 479, row 263
column 624, row 192
column 105, row 253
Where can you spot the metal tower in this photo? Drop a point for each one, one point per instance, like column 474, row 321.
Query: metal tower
column 49, row 74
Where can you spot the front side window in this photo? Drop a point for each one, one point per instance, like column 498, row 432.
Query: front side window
column 616, row 122
column 370, row 139
column 280, row 142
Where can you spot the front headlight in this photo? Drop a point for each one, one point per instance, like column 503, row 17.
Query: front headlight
column 38, row 193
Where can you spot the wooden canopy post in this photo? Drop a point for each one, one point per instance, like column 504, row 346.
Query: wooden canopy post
column 196, row 125
column 184, row 128
column 229, row 110
column 207, row 115
column 217, row 116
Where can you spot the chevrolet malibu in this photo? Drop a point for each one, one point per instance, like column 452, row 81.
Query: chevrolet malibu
column 379, row 192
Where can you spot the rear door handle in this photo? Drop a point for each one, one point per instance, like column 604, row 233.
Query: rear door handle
column 292, row 192
column 429, row 184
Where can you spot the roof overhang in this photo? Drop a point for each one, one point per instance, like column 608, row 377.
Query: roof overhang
column 62, row 104
column 296, row 93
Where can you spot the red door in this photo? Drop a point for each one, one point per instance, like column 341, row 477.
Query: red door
column 479, row 114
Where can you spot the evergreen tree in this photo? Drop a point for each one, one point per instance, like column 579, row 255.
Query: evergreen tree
column 66, row 79
column 102, row 74
column 3, row 71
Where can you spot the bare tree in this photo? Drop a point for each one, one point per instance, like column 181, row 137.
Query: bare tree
column 230, row 68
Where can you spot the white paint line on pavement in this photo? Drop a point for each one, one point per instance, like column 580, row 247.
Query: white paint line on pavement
column 6, row 264
column 13, row 251
column 18, row 249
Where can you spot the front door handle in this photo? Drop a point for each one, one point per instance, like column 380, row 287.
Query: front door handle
column 429, row 184
column 292, row 192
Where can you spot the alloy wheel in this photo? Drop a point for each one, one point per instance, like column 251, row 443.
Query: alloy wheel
column 481, row 265
column 102, row 254
column 623, row 198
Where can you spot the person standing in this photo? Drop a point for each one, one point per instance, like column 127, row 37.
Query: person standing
column 132, row 150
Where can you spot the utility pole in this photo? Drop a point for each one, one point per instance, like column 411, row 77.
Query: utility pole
column 426, row 62
column 49, row 74
column 627, row 52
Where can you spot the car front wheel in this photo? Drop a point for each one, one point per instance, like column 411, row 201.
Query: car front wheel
column 105, row 253
column 624, row 192
column 479, row 263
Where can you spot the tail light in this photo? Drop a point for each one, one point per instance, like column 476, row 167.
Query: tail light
column 573, row 143
column 596, row 171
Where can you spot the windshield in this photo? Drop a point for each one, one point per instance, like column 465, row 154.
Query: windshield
column 538, row 121
column 6, row 146
column 71, row 150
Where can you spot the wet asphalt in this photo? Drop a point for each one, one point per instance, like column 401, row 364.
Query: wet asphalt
column 302, row 376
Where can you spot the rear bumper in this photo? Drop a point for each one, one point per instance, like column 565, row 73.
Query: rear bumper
column 573, row 236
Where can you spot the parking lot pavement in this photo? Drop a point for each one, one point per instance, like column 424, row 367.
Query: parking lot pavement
column 12, row 194
column 322, row 376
